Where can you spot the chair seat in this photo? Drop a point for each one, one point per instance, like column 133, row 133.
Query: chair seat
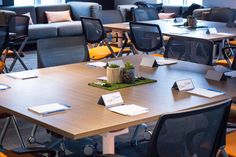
column 231, row 144
column 2, row 64
column 8, row 153
column 157, row 55
column 223, row 62
column 101, row 52
column 232, row 43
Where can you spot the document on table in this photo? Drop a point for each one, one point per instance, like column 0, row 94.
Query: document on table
column 22, row 75
column 49, row 108
column 4, row 87
column 98, row 64
column 166, row 61
column 103, row 78
column 209, row 93
column 129, row 110
column 230, row 74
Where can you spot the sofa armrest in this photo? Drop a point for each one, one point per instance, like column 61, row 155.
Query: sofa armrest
column 201, row 14
column 86, row 9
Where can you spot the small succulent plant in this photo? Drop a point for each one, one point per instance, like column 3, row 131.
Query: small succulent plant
column 114, row 66
column 128, row 65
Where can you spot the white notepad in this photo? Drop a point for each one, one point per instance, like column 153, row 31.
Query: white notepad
column 98, row 64
column 166, row 61
column 205, row 92
column 129, row 110
column 22, row 75
column 49, row 108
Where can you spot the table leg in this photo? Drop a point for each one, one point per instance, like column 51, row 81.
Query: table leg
column 108, row 140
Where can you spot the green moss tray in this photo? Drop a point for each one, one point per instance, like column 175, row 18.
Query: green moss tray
column 111, row 87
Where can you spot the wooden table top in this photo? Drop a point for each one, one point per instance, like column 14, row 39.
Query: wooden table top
column 169, row 28
column 69, row 84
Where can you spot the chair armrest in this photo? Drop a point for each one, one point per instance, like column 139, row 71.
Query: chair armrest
column 21, row 150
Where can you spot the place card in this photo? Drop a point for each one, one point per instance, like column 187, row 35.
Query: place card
column 208, row 93
column 111, row 99
column 117, row 62
column 178, row 20
column 215, row 75
column 183, row 85
column 230, row 74
column 22, row 75
column 149, row 62
column 211, row 31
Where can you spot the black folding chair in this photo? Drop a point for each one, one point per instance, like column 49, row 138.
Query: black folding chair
column 145, row 14
column 18, row 35
column 198, row 132
column 190, row 49
column 4, row 32
column 229, row 56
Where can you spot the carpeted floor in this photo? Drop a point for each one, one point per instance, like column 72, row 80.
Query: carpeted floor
column 73, row 148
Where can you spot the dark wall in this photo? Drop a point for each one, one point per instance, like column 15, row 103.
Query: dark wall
column 106, row 4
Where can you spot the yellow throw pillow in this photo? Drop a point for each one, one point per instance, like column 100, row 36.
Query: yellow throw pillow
column 58, row 16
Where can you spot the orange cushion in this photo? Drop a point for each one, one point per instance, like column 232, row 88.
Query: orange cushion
column 223, row 62
column 231, row 144
column 58, row 16
column 233, row 42
column 101, row 52
column 157, row 55
column 11, row 154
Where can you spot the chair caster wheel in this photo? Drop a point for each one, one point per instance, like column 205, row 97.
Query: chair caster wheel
column 31, row 140
column 88, row 150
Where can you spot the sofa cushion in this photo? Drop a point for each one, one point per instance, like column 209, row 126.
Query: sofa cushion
column 30, row 18
column 166, row 15
column 41, row 31
column 40, row 11
column 126, row 11
column 190, row 10
column 173, row 9
column 68, row 28
column 58, row 16
column 23, row 10
column 84, row 9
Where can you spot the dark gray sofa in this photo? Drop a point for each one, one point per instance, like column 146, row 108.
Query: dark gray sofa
column 126, row 10
column 41, row 29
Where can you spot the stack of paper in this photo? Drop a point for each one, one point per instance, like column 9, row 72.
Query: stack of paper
column 22, row 75
column 98, row 64
column 209, row 93
column 129, row 110
column 49, row 108
column 166, row 61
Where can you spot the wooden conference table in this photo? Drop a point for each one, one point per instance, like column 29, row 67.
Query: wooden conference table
column 169, row 28
column 69, row 84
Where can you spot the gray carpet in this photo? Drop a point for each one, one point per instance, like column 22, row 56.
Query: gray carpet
column 73, row 148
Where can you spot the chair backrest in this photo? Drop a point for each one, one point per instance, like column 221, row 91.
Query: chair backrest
column 145, row 14
column 3, row 38
column 61, row 51
column 146, row 37
column 221, row 15
column 19, row 25
column 190, row 49
column 93, row 30
column 198, row 132
column 110, row 16
column 228, row 53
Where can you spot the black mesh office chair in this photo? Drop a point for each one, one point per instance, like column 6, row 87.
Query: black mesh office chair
column 3, row 46
column 192, row 133
column 146, row 37
column 145, row 14
column 61, row 51
column 221, row 15
column 3, row 50
column 18, row 29
column 190, row 49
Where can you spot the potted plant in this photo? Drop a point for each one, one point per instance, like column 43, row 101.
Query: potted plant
column 192, row 21
column 113, row 74
column 128, row 74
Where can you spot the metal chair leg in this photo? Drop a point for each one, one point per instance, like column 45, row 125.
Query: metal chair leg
column 4, row 130
column 18, row 131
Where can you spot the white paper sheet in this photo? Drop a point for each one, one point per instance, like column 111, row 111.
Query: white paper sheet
column 103, row 78
column 205, row 92
column 166, row 61
column 129, row 110
column 97, row 64
column 22, row 75
column 49, row 108
column 230, row 74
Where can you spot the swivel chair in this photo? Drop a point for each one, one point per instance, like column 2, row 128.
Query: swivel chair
column 145, row 14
